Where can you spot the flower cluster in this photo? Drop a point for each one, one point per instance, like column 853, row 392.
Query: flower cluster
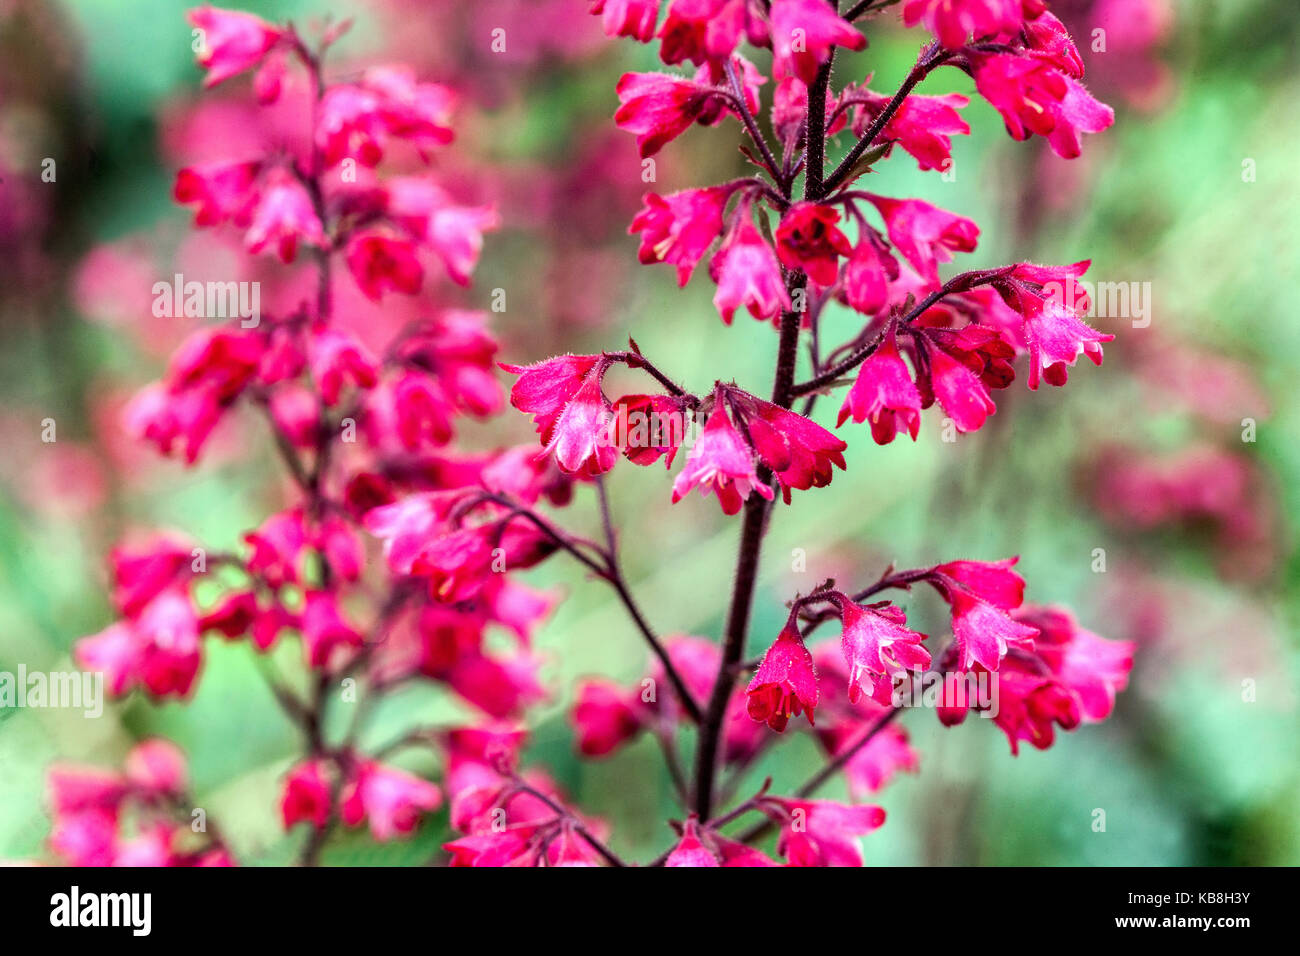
column 364, row 424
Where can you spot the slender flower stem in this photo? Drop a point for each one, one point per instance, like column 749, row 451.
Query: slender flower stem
column 614, row 575
column 610, row 856
column 751, row 125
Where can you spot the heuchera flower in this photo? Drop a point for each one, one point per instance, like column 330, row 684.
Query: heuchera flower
column 925, row 235
column 392, row 800
column 604, row 717
column 821, row 832
column 922, row 125
column 658, row 108
column 381, row 262
column 884, row 393
column 799, row 451
column 306, row 795
column 454, row 232
column 959, row 390
column 867, row 275
column 982, row 633
column 706, row 32
column 785, row 684
column 803, row 32
column 748, row 274
column 1035, row 97
column 877, row 647
column 572, row 414
column 1051, row 301
column 628, row 18
column 953, row 21
column 808, row 239
column 223, row 191
column 1093, row 668
column 335, row 359
column 680, row 227
column 284, row 217
column 690, row 850
column 721, row 462
column 232, row 41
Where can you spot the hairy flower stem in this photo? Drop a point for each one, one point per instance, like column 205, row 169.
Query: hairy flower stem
column 756, row 507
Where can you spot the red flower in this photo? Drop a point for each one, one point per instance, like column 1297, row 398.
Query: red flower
column 380, row 262
column 868, row 273
column 658, row 107
column 748, row 274
column 690, row 850
column 1093, row 668
column 680, row 227
column 1035, row 97
column 803, row 32
column 1051, row 301
column 877, row 648
column 604, row 717
column 925, row 235
column 284, row 216
column 628, row 18
column 884, row 393
column 336, row 358
column 952, row 21
column 799, row 451
column 392, row 800
column 706, row 31
column 992, row 581
column 821, row 832
column 785, row 684
column 722, row 462
column 922, row 125
column 808, row 239
column 573, row 416
column 231, row 41
column 982, row 633
column 306, row 795
column 959, row 390
column 223, row 191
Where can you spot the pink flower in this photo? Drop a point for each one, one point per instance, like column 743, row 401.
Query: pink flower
column 231, row 42
column 391, row 799
column 380, row 262
column 867, row 275
column 223, row 191
column 335, row 359
column 284, row 216
column 748, row 274
column 952, row 21
column 785, row 684
column 649, row 427
column 822, row 832
column 324, row 628
column 167, row 633
column 922, row 125
column 808, row 239
column 604, row 717
column 706, row 31
column 306, row 795
column 925, row 235
column 573, row 416
column 157, row 766
column 960, row 391
column 1051, row 301
column 884, row 393
column 877, row 648
column 658, row 108
column 799, row 451
column 1093, row 668
column 721, row 462
column 628, row 18
column 454, row 232
column 680, row 227
column 277, row 548
column 992, row 581
column 982, row 633
column 690, row 850
column 141, row 570
column 1035, row 97
column 803, row 32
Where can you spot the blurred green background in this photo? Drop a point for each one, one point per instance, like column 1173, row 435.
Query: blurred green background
column 1187, row 771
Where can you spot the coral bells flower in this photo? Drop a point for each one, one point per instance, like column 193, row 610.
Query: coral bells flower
column 785, row 684
column 821, row 832
column 335, row 359
column 223, row 191
column 959, row 390
column 748, row 274
column 680, row 227
column 1035, row 97
column 884, row 393
column 604, row 717
column 982, row 633
column 1051, row 301
column 799, row 451
column 877, row 648
column 867, row 275
column 925, row 235
column 573, row 416
column 628, row 18
column 922, row 125
column 707, row 31
column 953, row 21
column 721, row 461
column 306, row 795
column 392, row 800
column 808, row 239
column 231, row 41
column 1093, row 668
column 803, row 32
column 658, row 108
column 690, row 850
column 284, row 216
column 381, row 262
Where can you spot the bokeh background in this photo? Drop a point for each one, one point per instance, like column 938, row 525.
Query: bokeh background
column 1179, row 459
